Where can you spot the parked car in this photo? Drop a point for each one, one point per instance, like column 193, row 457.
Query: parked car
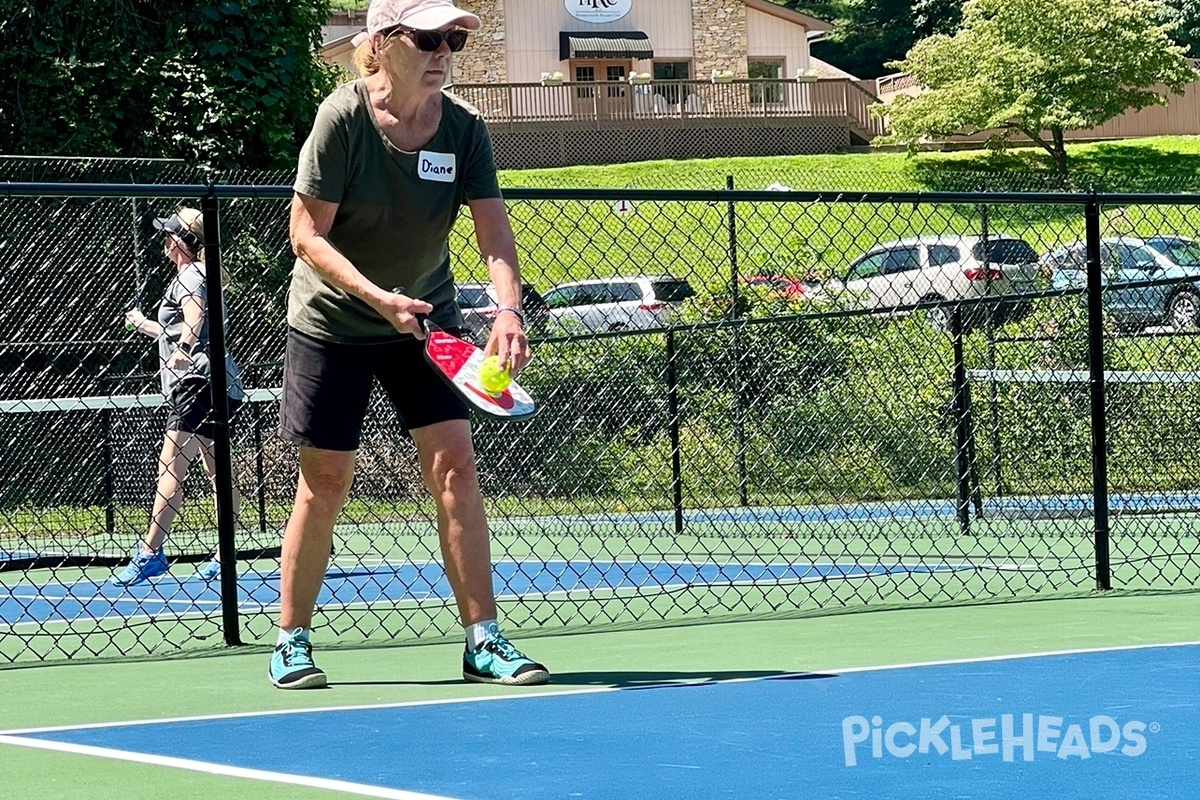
column 613, row 304
column 479, row 303
column 1128, row 260
column 949, row 267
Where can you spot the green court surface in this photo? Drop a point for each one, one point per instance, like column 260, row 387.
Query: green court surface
column 226, row 682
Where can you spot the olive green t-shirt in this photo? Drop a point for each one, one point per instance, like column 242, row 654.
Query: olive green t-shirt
column 395, row 211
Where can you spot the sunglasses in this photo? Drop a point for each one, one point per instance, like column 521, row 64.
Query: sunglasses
column 430, row 41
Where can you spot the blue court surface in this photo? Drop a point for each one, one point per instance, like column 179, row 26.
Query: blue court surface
column 26, row 602
column 1106, row 723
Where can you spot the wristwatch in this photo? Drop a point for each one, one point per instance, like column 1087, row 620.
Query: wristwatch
column 520, row 314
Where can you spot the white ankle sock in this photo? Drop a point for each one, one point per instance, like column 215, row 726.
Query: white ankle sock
column 285, row 634
column 478, row 632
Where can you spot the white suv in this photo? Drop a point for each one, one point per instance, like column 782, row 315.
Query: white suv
column 930, row 268
column 613, row 304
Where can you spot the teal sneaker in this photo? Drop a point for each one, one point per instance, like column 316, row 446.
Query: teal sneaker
column 497, row 661
column 292, row 665
column 210, row 571
column 142, row 567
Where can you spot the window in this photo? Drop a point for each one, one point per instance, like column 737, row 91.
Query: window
column 621, row 293
column 671, row 71
column 943, row 254
column 585, row 75
column 1140, row 259
column 867, row 267
column 671, row 291
column 562, row 297
column 1184, row 252
column 615, row 74
column 1005, row 251
column 473, row 297
column 902, row 259
column 766, row 92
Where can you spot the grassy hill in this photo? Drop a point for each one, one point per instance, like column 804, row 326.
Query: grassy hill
column 563, row 240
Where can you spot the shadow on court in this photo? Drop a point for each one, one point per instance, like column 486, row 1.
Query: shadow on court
column 641, row 679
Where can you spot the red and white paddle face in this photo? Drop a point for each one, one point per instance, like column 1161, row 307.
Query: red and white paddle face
column 458, row 361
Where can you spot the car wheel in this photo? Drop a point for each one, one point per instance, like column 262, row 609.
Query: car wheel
column 1183, row 310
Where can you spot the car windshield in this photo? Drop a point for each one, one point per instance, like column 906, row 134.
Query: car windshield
column 1004, row 251
column 1184, row 252
column 672, row 291
column 473, row 297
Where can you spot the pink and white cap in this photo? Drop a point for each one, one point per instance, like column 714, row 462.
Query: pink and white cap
column 420, row 15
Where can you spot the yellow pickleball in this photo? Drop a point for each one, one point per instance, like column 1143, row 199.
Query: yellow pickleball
column 493, row 377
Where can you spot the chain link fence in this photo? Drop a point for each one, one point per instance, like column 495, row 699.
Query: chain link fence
column 752, row 403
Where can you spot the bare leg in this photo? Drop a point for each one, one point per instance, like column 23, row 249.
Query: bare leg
column 210, row 469
column 448, row 467
column 325, row 478
column 178, row 451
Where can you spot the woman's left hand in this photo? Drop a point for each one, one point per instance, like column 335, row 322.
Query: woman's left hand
column 178, row 360
column 508, row 342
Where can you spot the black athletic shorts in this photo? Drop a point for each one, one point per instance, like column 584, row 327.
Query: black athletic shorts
column 189, row 408
column 327, row 386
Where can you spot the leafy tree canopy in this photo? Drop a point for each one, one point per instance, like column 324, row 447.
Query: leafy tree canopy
column 221, row 83
column 1039, row 67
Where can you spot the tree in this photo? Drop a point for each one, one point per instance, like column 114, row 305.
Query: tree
column 868, row 33
column 1186, row 16
column 216, row 82
column 1039, row 67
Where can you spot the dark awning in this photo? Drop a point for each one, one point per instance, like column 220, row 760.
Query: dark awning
column 604, row 44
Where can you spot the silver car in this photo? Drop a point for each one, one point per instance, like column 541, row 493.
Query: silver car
column 614, row 304
column 479, row 304
column 1128, row 264
column 948, row 267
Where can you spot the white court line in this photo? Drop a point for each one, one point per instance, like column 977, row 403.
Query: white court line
column 361, row 789
column 594, row 690
column 162, row 601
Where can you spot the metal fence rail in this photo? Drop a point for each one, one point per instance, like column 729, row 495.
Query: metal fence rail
column 867, row 401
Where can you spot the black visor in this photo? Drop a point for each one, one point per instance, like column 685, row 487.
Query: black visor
column 175, row 227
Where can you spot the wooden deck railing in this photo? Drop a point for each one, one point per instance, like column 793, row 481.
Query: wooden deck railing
column 603, row 103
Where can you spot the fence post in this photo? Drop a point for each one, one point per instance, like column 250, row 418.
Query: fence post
column 739, row 428
column 222, row 447
column 1095, row 313
column 673, row 430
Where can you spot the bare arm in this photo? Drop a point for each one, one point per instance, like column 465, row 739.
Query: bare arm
column 143, row 324
column 311, row 220
column 494, row 235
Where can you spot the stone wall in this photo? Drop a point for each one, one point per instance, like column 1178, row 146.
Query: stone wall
column 485, row 56
column 719, row 37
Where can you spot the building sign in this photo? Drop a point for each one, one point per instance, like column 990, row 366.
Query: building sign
column 598, row 10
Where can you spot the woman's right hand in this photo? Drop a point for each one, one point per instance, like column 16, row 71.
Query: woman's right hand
column 134, row 318
column 402, row 310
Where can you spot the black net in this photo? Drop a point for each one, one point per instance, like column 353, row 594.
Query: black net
column 782, row 403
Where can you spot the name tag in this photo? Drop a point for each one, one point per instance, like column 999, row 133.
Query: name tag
column 436, row 166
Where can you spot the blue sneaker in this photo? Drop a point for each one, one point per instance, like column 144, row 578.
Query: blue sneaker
column 292, row 664
column 141, row 568
column 497, row 661
column 210, row 571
